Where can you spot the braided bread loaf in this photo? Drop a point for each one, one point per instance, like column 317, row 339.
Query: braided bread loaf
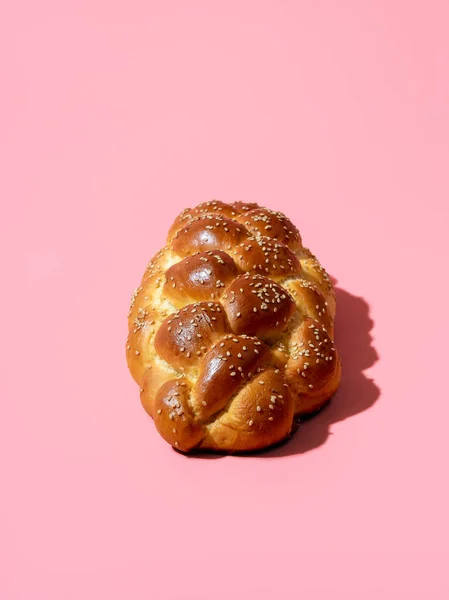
column 231, row 330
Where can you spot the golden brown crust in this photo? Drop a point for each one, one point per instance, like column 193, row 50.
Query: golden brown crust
column 142, row 331
column 208, row 232
column 310, row 301
column 226, row 369
column 312, row 366
column 184, row 337
column 202, row 276
column 273, row 224
column 258, row 417
column 212, row 207
column 256, row 305
column 231, row 330
column 173, row 417
column 264, row 256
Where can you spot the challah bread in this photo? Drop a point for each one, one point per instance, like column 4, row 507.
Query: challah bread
column 231, row 330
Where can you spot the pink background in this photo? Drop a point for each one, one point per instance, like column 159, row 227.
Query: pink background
column 115, row 116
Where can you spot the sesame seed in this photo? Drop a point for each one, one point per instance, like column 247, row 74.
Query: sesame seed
column 159, row 410
column 270, row 418
column 233, row 374
column 250, row 422
column 258, row 408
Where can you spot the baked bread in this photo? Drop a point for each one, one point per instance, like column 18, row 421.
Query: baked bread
column 231, row 330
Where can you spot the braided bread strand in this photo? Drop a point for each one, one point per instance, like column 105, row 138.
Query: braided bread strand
column 231, row 330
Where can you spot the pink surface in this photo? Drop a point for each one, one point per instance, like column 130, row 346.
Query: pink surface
column 116, row 115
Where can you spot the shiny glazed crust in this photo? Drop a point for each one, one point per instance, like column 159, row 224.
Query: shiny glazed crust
column 231, row 330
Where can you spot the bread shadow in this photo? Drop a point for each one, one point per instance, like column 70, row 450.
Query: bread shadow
column 356, row 393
